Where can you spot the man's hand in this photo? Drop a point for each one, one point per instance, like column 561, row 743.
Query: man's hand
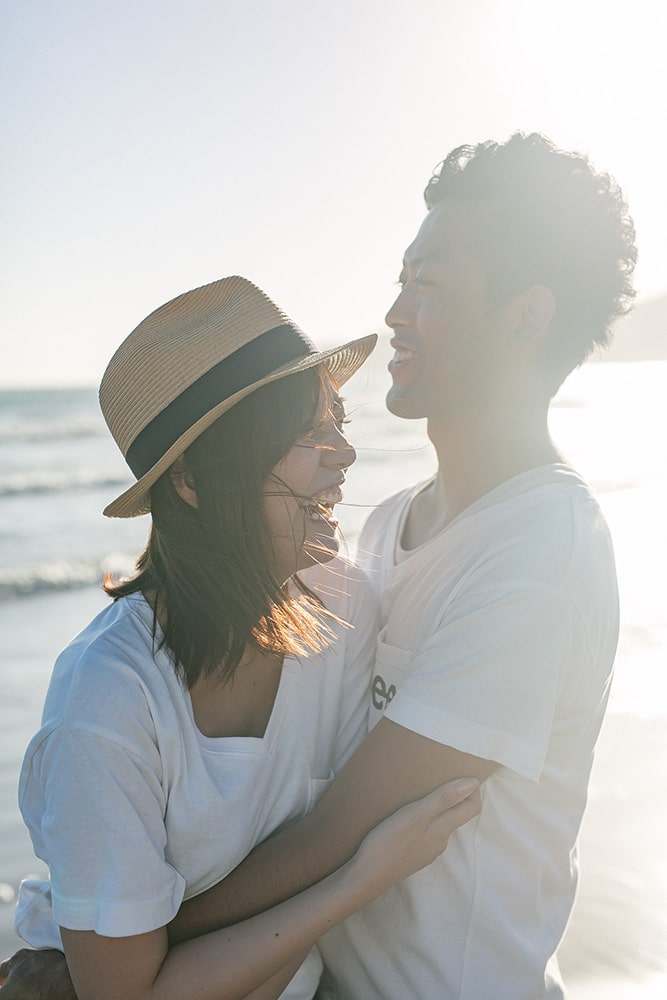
column 36, row 975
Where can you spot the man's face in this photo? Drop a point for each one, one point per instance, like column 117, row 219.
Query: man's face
column 444, row 334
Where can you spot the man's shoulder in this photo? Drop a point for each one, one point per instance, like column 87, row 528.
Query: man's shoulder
column 562, row 521
column 552, row 507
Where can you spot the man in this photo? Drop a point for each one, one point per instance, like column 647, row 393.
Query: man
column 499, row 601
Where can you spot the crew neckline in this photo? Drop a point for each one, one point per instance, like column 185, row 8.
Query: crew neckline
column 522, row 482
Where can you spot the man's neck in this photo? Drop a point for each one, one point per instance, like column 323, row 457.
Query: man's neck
column 474, row 459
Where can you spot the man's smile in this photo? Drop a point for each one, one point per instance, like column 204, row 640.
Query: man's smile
column 403, row 352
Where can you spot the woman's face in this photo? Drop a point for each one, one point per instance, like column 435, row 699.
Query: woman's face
column 302, row 489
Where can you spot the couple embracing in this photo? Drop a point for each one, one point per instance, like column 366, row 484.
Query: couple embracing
column 262, row 770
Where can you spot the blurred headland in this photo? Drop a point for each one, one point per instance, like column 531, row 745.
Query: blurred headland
column 641, row 336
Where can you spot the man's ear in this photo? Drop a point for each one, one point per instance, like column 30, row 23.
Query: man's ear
column 533, row 312
column 184, row 483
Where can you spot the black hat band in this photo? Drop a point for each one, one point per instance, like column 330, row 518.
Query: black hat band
column 246, row 366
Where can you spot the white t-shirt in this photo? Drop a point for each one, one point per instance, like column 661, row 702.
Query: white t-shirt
column 134, row 810
column 497, row 638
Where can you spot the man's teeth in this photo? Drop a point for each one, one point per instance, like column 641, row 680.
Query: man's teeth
column 403, row 354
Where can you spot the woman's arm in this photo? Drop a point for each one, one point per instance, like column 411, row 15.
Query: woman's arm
column 233, row 962
column 393, row 766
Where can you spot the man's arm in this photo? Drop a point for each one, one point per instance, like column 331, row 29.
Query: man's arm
column 392, row 767
column 237, row 961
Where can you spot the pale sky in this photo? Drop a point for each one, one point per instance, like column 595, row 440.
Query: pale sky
column 150, row 146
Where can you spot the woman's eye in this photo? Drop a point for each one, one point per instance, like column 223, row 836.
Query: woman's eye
column 339, row 416
column 310, row 437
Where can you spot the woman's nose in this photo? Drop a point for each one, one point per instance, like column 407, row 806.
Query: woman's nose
column 339, row 453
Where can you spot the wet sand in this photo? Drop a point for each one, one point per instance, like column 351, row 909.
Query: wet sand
column 616, row 945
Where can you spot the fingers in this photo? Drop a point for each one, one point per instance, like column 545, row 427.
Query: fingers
column 448, row 797
column 430, row 821
column 453, row 792
column 450, row 818
column 454, row 803
column 417, row 834
column 448, row 807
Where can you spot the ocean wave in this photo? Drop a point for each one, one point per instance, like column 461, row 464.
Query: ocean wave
column 51, row 481
column 28, row 581
column 31, row 433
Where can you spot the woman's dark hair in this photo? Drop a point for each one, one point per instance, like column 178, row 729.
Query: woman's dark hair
column 548, row 218
column 209, row 570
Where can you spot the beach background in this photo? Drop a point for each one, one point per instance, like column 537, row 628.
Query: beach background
column 59, row 466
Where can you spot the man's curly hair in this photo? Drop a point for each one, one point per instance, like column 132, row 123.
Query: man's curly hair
column 550, row 219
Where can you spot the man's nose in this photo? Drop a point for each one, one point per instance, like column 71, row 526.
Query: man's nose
column 399, row 311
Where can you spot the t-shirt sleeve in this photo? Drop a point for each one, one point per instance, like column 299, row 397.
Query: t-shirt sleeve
column 487, row 682
column 102, row 830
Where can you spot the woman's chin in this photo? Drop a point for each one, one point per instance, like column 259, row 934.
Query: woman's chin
column 321, row 549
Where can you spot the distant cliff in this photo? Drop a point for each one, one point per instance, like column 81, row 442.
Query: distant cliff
column 641, row 336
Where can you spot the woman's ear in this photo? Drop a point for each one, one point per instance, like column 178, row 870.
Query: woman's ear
column 184, row 483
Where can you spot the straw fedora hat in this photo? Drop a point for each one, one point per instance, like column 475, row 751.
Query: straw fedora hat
column 189, row 362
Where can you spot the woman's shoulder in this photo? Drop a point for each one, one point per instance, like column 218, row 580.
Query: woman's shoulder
column 111, row 662
column 120, row 633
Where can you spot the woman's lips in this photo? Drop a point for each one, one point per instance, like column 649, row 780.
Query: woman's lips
column 320, row 505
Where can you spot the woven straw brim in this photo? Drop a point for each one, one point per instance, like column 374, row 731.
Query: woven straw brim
column 341, row 363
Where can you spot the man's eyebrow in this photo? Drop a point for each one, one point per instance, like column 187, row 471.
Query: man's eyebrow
column 429, row 257
column 415, row 262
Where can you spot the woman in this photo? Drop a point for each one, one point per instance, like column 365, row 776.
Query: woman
column 214, row 699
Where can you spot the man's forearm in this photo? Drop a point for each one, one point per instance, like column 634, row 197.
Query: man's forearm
column 392, row 766
column 277, row 869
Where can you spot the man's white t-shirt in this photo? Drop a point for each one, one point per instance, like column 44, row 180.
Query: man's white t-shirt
column 134, row 810
column 497, row 638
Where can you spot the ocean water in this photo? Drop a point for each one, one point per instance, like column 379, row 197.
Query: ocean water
column 59, row 467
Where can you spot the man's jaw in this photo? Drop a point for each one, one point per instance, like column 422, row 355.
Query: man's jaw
column 405, row 397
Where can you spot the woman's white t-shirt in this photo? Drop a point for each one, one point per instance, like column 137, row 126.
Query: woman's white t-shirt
column 133, row 809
